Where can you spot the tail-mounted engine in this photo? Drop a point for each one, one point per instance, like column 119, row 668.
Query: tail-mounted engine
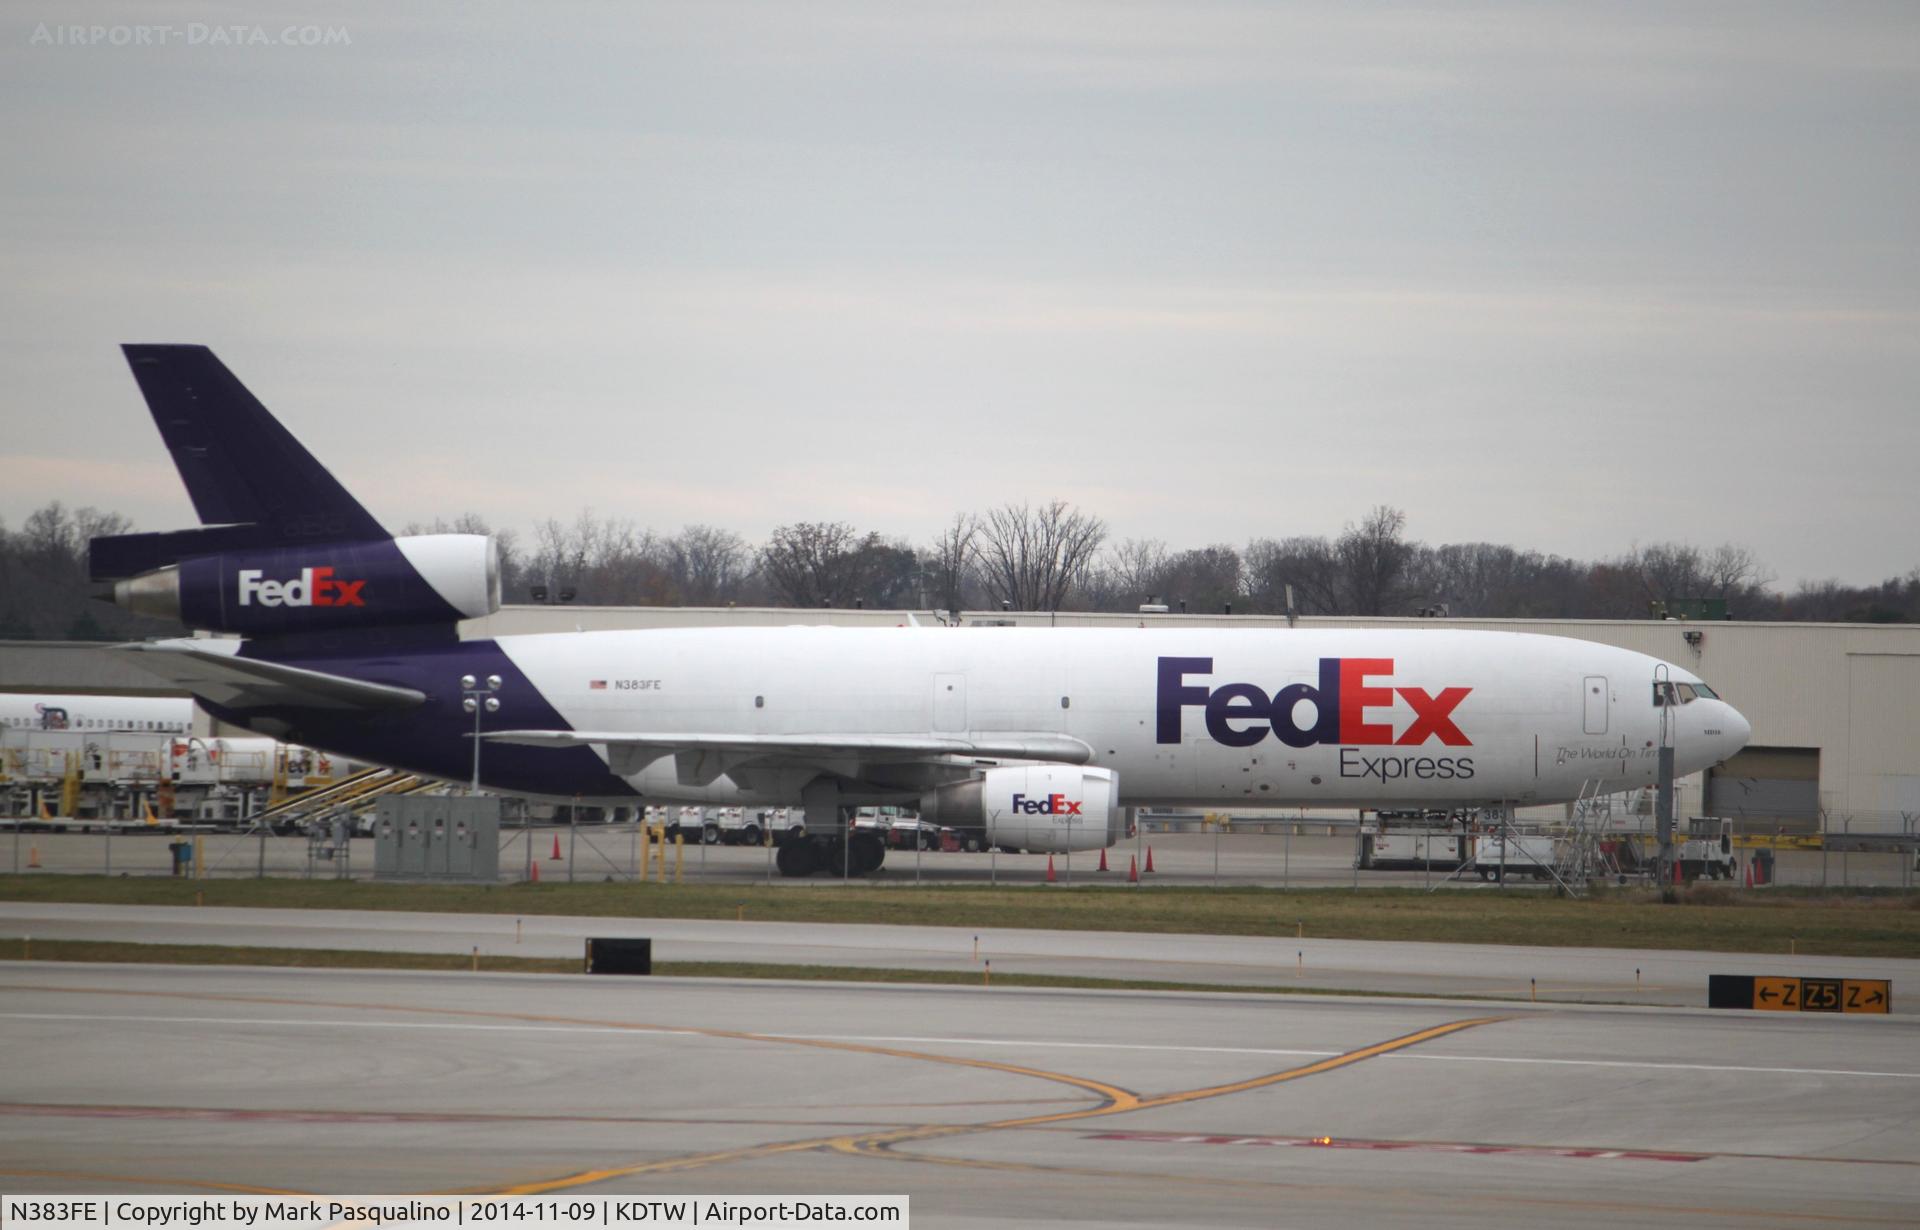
column 1045, row 808
column 325, row 587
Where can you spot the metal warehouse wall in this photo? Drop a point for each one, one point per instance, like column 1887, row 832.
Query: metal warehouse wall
column 1851, row 690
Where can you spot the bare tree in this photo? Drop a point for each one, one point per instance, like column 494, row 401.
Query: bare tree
column 1734, row 573
column 1669, row 571
column 1307, row 564
column 1483, row 578
column 888, row 575
column 817, row 563
column 1205, row 579
column 53, row 533
column 607, row 562
column 1132, row 572
column 1032, row 559
column 44, row 586
column 1373, row 562
column 1895, row 600
column 707, row 564
column 948, row 563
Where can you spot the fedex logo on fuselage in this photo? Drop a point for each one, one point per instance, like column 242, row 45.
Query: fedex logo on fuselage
column 313, row 587
column 1052, row 805
column 1242, row 714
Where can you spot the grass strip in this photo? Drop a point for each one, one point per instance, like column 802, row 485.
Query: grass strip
column 1865, row 923
column 106, row 951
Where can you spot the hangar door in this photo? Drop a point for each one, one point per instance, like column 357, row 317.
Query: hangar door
column 1775, row 785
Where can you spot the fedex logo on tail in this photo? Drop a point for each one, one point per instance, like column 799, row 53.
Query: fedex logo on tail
column 1052, row 805
column 313, row 587
column 1242, row 714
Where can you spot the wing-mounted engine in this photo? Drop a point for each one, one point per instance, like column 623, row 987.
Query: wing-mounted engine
column 1045, row 808
column 323, row 587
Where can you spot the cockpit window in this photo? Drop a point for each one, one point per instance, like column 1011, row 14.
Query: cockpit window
column 1668, row 693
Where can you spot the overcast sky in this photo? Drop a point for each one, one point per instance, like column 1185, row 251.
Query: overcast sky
column 1567, row 277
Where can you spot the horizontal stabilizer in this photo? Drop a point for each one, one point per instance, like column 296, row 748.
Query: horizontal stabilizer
column 226, row 679
column 120, row 556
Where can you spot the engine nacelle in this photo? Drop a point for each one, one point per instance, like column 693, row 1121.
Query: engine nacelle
column 328, row 587
column 1045, row 808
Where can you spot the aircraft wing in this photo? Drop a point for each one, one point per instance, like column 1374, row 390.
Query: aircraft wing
column 227, row 679
column 701, row 758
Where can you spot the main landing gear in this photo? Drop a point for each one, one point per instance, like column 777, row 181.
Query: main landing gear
column 799, row 857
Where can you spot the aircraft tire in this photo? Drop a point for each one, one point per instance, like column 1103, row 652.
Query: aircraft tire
column 866, row 854
column 796, row 859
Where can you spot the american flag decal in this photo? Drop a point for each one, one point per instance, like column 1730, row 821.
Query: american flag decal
column 597, row 685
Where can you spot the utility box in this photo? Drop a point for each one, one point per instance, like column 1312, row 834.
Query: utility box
column 620, row 956
column 437, row 838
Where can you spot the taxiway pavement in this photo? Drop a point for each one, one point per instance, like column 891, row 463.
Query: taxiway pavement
column 988, row 1106
column 1603, row 975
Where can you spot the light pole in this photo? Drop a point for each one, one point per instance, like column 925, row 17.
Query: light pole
column 477, row 698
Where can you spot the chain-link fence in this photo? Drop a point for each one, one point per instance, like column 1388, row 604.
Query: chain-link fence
column 1865, row 850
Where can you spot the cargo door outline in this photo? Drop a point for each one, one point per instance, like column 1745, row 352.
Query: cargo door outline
column 1594, row 692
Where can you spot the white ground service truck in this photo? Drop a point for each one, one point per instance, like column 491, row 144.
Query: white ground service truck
column 1498, row 856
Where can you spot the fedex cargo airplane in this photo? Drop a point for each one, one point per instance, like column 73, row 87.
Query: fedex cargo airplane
column 1031, row 737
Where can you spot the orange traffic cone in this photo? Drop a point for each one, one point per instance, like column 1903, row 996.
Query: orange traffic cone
column 1133, row 870
column 535, row 869
column 1149, row 867
column 555, row 856
column 1103, row 858
column 1050, row 869
column 33, row 856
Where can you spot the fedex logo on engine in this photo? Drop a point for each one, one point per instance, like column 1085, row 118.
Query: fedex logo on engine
column 1052, row 805
column 313, row 587
column 1242, row 714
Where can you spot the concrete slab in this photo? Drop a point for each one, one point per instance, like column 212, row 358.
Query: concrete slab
column 990, row 1107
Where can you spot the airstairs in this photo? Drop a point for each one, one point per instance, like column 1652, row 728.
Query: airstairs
column 350, row 795
column 1577, row 855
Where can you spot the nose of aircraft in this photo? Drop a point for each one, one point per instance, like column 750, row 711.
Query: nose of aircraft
column 1707, row 732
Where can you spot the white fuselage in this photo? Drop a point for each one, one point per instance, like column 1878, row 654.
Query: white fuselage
column 1183, row 716
column 38, row 711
